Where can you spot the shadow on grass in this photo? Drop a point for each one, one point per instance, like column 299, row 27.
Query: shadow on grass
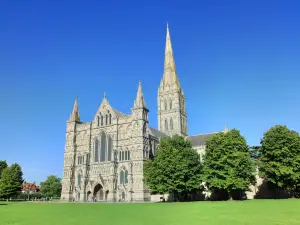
column 3, row 204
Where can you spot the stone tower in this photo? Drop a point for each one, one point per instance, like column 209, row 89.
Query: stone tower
column 172, row 117
column 68, row 179
column 140, row 118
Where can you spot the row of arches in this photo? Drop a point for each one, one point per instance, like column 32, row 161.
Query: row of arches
column 104, row 119
column 124, row 155
column 103, row 148
column 169, row 125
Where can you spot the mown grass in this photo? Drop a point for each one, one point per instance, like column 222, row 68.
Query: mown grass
column 231, row 213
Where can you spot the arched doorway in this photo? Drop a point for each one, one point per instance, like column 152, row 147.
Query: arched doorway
column 98, row 193
column 89, row 196
column 106, row 195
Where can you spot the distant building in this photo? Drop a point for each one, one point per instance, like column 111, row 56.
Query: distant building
column 104, row 158
column 30, row 188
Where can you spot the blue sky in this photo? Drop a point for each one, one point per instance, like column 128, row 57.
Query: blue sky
column 237, row 61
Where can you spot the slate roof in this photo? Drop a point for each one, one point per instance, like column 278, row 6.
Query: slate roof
column 118, row 113
column 156, row 133
column 200, row 139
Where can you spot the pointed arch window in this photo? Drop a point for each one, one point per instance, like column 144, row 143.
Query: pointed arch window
column 171, row 124
column 122, row 176
column 96, row 150
column 103, row 148
column 123, row 157
column 166, row 106
column 128, row 155
column 106, row 119
column 126, row 177
column 98, row 121
column 109, row 148
column 101, row 120
column 120, row 156
column 170, row 104
column 109, row 118
column 166, row 125
column 79, row 179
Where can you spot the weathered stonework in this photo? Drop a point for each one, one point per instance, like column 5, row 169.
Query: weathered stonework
column 104, row 158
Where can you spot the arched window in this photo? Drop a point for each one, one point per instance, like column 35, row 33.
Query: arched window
column 109, row 149
column 122, row 176
column 170, row 103
column 120, row 156
column 126, row 177
column 101, row 120
column 109, row 118
column 128, row 155
column 79, row 179
column 123, row 156
column 103, row 148
column 166, row 106
column 106, row 119
column 171, row 124
column 166, row 125
column 98, row 121
column 96, row 151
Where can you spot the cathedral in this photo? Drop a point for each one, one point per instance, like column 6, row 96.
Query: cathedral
column 104, row 158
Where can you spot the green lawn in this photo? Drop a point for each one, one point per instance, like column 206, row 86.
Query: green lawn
column 233, row 212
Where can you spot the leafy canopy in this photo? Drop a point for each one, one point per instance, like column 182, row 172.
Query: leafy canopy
column 11, row 181
column 176, row 167
column 51, row 187
column 227, row 163
column 3, row 165
column 280, row 157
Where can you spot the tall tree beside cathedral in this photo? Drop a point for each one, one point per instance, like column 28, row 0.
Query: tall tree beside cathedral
column 11, row 181
column 51, row 187
column 175, row 169
column 3, row 165
column 228, row 168
column 280, row 158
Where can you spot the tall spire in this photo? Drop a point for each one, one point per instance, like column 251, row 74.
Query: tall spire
column 170, row 75
column 226, row 129
column 140, row 101
column 75, row 116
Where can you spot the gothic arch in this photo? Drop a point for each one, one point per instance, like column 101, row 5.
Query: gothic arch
column 96, row 149
column 123, row 175
column 103, row 147
column 166, row 125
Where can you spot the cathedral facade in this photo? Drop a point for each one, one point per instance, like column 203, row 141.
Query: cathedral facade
column 104, row 158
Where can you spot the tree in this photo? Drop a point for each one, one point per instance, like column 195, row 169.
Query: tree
column 228, row 168
column 11, row 181
column 51, row 187
column 280, row 158
column 175, row 169
column 255, row 152
column 3, row 165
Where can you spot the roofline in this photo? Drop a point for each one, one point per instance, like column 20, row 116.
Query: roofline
column 205, row 134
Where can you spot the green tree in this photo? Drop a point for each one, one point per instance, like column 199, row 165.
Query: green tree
column 51, row 187
column 11, row 181
column 255, row 152
column 176, row 168
column 3, row 165
column 228, row 169
column 280, row 158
